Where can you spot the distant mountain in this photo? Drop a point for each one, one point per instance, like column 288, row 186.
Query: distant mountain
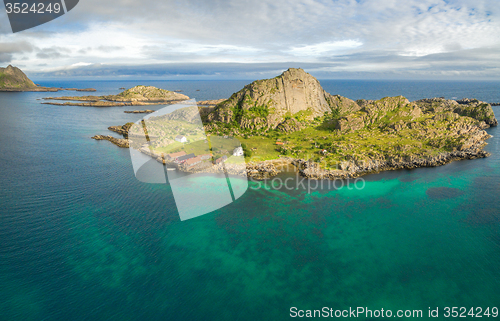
column 13, row 78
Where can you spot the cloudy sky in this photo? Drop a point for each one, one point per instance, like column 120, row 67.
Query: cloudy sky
column 416, row 39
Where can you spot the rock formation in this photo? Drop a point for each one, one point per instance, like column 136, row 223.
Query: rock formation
column 264, row 104
column 120, row 142
column 464, row 107
column 146, row 94
column 122, row 130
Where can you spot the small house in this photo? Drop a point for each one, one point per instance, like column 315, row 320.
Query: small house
column 238, row 151
column 192, row 161
column 181, row 138
column 280, row 143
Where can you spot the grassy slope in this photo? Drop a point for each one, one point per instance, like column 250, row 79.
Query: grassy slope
column 426, row 136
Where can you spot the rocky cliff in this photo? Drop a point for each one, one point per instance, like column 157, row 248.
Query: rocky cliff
column 265, row 104
column 13, row 78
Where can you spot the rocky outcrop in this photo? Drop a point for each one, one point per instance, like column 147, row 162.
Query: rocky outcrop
column 122, row 130
column 264, row 104
column 464, row 107
column 289, row 125
column 392, row 111
column 210, row 103
column 262, row 170
column 146, row 94
column 259, row 171
column 353, row 169
column 124, row 143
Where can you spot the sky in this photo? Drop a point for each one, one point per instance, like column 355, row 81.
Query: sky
column 240, row 39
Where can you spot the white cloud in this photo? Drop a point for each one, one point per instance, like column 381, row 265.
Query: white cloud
column 364, row 34
column 323, row 48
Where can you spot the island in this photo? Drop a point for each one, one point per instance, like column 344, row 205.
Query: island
column 136, row 96
column 291, row 119
column 12, row 79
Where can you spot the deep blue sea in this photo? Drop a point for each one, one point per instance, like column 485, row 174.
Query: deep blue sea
column 82, row 239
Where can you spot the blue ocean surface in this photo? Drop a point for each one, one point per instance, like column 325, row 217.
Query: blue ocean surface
column 82, row 239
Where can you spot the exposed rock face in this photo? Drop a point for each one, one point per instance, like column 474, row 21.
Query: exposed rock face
column 464, row 107
column 264, row 104
column 210, row 103
column 13, row 77
column 289, row 125
column 394, row 111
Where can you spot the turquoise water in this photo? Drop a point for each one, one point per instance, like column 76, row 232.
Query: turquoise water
column 82, row 239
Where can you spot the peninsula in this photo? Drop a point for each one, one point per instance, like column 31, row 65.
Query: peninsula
column 14, row 80
column 291, row 119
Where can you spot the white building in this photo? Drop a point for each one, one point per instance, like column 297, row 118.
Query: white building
column 181, row 139
column 238, row 151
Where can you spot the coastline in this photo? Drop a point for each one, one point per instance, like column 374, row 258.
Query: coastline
column 325, row 136
column 350, row 169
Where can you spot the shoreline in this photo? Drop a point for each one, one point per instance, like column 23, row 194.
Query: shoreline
column 270, row 168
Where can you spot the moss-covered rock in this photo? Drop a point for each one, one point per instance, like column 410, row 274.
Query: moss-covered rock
column 289, row 125
column 465, row 107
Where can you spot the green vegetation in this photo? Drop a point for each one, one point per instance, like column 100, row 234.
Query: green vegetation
column 13, row 77
column 400, row 133
column 391, row 129
column 261, row 148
